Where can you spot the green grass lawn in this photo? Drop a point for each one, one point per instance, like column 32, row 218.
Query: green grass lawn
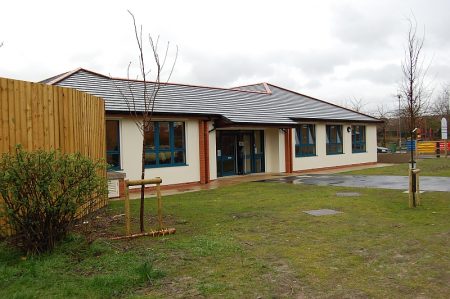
column 253, row 240
column 428, row 167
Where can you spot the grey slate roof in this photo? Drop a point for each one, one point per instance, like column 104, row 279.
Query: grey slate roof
column 263, row 104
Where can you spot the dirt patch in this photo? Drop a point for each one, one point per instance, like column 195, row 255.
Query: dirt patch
column 104, row 225
column 285, row 282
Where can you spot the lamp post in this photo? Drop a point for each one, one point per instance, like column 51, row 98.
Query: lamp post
column 399, row 96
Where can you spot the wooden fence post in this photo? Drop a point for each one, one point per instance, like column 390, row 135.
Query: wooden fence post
column 158, row 196
column 127, row 210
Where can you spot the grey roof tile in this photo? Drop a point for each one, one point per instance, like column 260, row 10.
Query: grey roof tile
column 263, row 104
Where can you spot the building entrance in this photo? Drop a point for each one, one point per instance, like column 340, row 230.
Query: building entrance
column 239, row 152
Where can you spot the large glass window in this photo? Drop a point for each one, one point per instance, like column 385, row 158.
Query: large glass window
column 358, row 139
column 305, row 140
column 334, row 139
column 165, row 144
column 112, row 144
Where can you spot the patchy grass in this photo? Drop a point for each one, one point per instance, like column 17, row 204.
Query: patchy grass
column 254, row 240
column 428, row 167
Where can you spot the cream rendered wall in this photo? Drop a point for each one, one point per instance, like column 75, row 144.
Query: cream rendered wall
column 131, row 151
column 322, row 160
column 274, row 150
column 212, row 152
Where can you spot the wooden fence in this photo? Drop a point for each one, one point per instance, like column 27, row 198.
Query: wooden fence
column 40, row 116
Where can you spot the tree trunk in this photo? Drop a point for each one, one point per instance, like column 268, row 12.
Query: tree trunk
column 141, row 212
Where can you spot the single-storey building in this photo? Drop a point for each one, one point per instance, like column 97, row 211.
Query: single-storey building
column 202, row 133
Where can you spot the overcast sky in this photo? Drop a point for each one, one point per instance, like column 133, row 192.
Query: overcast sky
column 333, row 50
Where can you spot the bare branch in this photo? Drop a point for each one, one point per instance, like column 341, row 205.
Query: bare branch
column 414, row 89
column 141, row 103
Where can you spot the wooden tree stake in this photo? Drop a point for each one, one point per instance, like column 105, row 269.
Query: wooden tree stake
column 161, row 231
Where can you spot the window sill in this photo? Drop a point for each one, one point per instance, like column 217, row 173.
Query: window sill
column 334, row 154
column 165, row 166
column 305, row 156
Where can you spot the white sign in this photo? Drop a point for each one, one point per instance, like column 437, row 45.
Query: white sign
column 443, row 128
column 113, row 188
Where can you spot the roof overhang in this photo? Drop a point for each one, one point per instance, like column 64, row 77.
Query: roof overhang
column 375, row 120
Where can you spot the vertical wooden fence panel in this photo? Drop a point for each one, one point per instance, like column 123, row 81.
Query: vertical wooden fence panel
column 40, row 116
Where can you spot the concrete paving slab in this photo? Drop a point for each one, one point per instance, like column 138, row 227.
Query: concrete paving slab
column 322, row 212
column 348, row 194
column 427, row 183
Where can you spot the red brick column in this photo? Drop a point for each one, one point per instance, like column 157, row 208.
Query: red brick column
column 204, row 151
column 121, row 187
column 288, row 151
column 207, row 174
column 201, row 139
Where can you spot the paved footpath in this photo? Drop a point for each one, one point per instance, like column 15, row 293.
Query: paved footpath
column 427, row 183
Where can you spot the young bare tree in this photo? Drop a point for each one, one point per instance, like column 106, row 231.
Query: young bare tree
column 413, row 87
column 141, row 104
column 414, row 90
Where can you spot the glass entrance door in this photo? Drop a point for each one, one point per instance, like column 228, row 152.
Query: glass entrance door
column 239, row 152
column 258, row 152
column 226, row 154
column 245, row 156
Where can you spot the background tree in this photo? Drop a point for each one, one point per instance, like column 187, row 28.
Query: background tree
column 413, row 89
column 383, row 114
column 441, row 104
column 355, row 104
column 141, row 106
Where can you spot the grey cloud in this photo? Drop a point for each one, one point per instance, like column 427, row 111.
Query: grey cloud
column 313, row 84
column 441, row 71
column 388, row 74
column 221, row 70
column 319, row 62
column 362, row 27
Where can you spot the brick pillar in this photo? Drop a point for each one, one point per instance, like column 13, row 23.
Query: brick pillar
column 204, row 151
column 122, row 187
column 288, row 151
column 201, row 130
column 206, row 139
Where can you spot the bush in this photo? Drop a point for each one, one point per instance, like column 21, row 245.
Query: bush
column 43, row 192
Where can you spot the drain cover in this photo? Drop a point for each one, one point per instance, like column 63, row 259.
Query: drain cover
column 348, row 194
column 322, row 212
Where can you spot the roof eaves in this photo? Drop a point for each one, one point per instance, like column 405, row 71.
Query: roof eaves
column 302, row 119
column 62, row 77
column 316, row 99
column 57, row 79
